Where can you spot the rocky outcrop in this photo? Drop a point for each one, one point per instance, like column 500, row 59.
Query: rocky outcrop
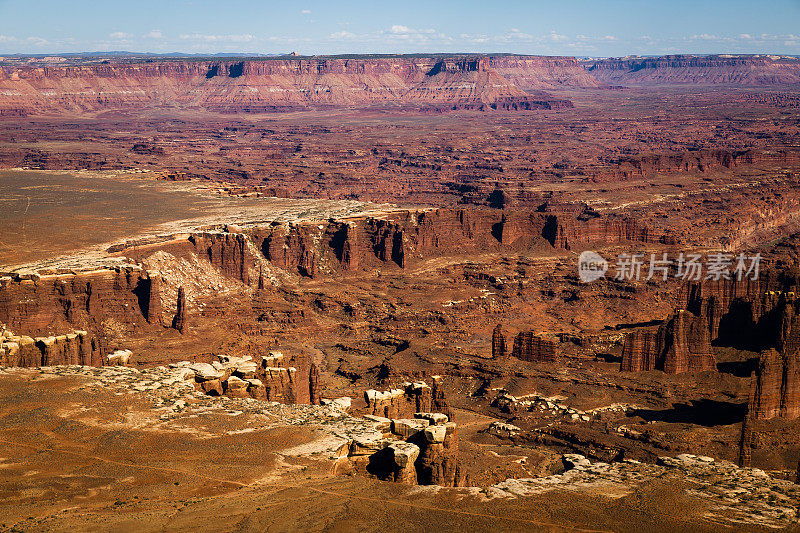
column 396, row 238
column 438, row 462
column 74, row 348
column 534, row 348
column 242, row 377
column 153, row 290
column 755, row 315
column 767, row 386
column 643, row 350
column 749, row 314
column 404, row 456
column 119, row 358
column 775, row 384
column 404, row 237
column 411, row 398
column 648, row 165
column 420, row 450
column 688, row 345
column 439, row 403
column 280, row 384
column 387, row 404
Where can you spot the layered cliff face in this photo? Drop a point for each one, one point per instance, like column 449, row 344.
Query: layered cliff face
column 404, row 237
column 680, row 345
column 538, row 72
column 534, row 348
column 756, row 315
column 775, row 385
column 699, row 161
column 700, row 70
column 475, row 84
column 745, row 312
column 227, row 251
column 589, row 228
column 775, row 382
column 46, row 306
column 282, row 85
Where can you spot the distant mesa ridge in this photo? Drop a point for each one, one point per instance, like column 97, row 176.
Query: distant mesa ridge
column 435, row 83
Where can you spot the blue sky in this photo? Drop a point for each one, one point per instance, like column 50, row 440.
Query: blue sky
column 563, row 27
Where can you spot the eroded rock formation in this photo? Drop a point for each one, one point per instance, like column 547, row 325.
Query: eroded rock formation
column 498, row 343
column 313, row 385
column 402, row 238
column 411, row 398
column 242, row 377
column 590, row 228
column 227, row 251
column 179, row 321
column 420, row 450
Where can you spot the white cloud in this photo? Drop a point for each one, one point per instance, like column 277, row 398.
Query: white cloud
column 7, row 39
column 475, row 38
column 37, row 41
column 120, row 35
column 581, row 47
column 516, row 34
column 344, row 34
column 745, row 36
column 305, row 12
column 556, row 36
column 153, row 34
column 242, row 38
column 398, row 28
column 610, row 38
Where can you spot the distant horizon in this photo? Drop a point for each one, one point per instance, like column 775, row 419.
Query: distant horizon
column 575, row 28
column 243, row 55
